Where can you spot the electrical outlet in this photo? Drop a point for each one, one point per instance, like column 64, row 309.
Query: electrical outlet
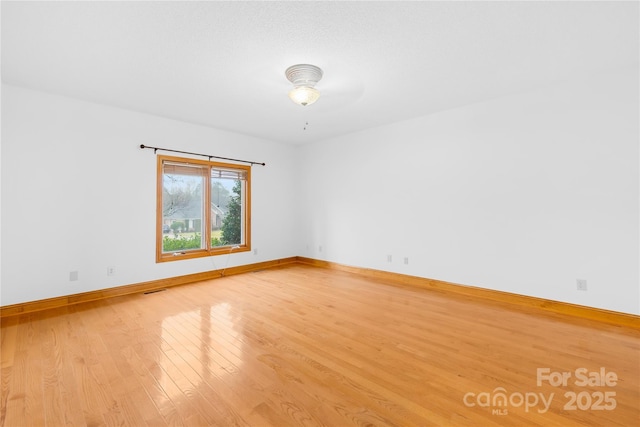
column 389, row 258
column 319, row 248
column 406, row 260
column 73, row 276
column 255, row 251
column 581, row 284
column 111, row 271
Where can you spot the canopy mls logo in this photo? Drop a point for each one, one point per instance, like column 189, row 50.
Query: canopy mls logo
column 499, row 401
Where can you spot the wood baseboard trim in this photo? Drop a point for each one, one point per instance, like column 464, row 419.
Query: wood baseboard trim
column 606, row 316
column 600, row 315
column 45, row 304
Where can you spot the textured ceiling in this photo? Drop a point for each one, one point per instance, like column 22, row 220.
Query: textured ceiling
column 222, row 64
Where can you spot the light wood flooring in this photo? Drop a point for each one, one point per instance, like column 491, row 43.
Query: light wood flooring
column 305, row 346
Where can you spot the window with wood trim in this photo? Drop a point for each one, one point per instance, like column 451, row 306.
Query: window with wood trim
column 203, row 208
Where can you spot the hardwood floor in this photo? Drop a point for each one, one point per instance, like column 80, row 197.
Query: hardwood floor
column 306, row 346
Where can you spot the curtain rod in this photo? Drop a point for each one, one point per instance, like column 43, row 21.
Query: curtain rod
column 155, row 149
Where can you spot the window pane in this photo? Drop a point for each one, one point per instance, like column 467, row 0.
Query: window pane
column 227, row 202
column 182, row 207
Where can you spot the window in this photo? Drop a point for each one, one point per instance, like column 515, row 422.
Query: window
column 203, row 208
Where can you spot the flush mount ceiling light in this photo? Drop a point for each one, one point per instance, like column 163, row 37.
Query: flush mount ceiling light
column 304, row 77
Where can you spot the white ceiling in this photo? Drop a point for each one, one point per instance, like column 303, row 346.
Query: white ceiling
column 222, row 64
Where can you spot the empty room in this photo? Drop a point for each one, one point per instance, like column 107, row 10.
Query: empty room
column 319, row 213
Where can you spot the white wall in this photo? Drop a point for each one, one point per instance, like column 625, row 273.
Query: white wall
column 78, row 194
column 523, row 194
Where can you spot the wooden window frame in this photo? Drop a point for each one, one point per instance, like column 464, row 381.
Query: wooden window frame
column 208, row 250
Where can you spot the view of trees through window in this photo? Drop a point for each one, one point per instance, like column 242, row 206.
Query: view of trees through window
column 202, row 206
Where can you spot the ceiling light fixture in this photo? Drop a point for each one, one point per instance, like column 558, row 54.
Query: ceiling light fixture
column 304, row 77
